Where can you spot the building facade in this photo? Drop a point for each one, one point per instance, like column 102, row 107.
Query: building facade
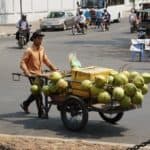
column 35, row 9
column 10, row 10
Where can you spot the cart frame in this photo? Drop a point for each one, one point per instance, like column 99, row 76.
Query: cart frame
column 78, row 107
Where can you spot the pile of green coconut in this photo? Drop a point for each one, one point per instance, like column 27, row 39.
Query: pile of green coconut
column 127, row 88
column 56, row 85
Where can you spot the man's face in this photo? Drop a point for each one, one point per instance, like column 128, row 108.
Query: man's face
column 38, row 41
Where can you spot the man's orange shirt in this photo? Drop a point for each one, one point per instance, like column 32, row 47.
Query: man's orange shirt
column 33, row 59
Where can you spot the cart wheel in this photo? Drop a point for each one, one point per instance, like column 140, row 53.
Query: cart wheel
column 111, row 118
column 74, row 113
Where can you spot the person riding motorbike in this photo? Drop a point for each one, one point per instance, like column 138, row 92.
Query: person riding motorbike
column 24, row 27
column 80, row 21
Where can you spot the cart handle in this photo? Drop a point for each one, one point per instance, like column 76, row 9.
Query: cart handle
column 16, row 76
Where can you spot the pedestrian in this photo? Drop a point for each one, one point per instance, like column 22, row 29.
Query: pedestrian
column 31, row 64
column 106, row 19
column 78, row 8
column 99, row 19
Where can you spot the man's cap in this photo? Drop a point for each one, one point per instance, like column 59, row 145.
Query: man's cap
column 36, row 34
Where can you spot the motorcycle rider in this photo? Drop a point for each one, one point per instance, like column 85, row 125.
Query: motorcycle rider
column 80, row 21
column 23, row 25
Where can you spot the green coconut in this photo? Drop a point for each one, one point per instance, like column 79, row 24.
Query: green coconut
column 62, row 84
column 110, row 79
column 120, row 79
column 95, row 90
column 118, row 93
column 35, row 89
column 138, row 98
column 132, row 75
column 46, row 90
column 126, row 73
column 100, row 81
column 86, row 84
column 144, row 89
column 55, row 76
column 104, row 97
column 126, row 102
column 146, row 77
column 138, row 81
column 130, row 89
column 53, row 88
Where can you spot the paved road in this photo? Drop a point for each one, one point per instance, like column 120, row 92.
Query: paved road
column 106, row 49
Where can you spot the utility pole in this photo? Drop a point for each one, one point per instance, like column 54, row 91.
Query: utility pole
column 21, row 7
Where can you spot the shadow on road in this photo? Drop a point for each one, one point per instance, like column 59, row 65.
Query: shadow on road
column 94, row 129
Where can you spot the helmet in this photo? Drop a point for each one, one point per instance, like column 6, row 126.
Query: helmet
column 23, row 16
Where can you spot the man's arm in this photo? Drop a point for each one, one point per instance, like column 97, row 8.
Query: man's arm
column 48, row 63
column 23, row 65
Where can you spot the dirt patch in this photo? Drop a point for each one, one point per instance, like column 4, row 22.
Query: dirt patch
column 35, row 143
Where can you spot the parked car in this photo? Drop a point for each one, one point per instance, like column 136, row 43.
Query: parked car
column 57, row 20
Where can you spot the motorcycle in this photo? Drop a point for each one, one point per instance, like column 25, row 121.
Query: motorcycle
column 22, row 37
column 79, row 29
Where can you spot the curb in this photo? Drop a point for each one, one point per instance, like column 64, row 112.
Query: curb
column 63, row 142
column 4, row 35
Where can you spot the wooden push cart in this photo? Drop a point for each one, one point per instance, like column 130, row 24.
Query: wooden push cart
column 74, row 109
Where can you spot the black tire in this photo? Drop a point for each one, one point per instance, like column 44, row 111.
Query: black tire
column 74, row 108
column 64, row 27
column 112, row 118
column 119, row 18
column 131, row 30
column 74, row 30
column 21, row 42
column 84, row 30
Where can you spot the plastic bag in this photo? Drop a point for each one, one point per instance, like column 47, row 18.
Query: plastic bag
column 73, row 60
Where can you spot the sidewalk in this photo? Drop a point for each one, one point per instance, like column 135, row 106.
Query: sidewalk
column 10, row 30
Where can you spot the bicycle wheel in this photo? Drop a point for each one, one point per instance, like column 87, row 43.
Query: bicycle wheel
column 111, row 118
column 74, row 113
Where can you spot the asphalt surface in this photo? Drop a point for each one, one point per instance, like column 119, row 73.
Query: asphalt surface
column 105, row 49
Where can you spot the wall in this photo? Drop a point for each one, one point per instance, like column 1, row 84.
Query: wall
column 34, row 9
